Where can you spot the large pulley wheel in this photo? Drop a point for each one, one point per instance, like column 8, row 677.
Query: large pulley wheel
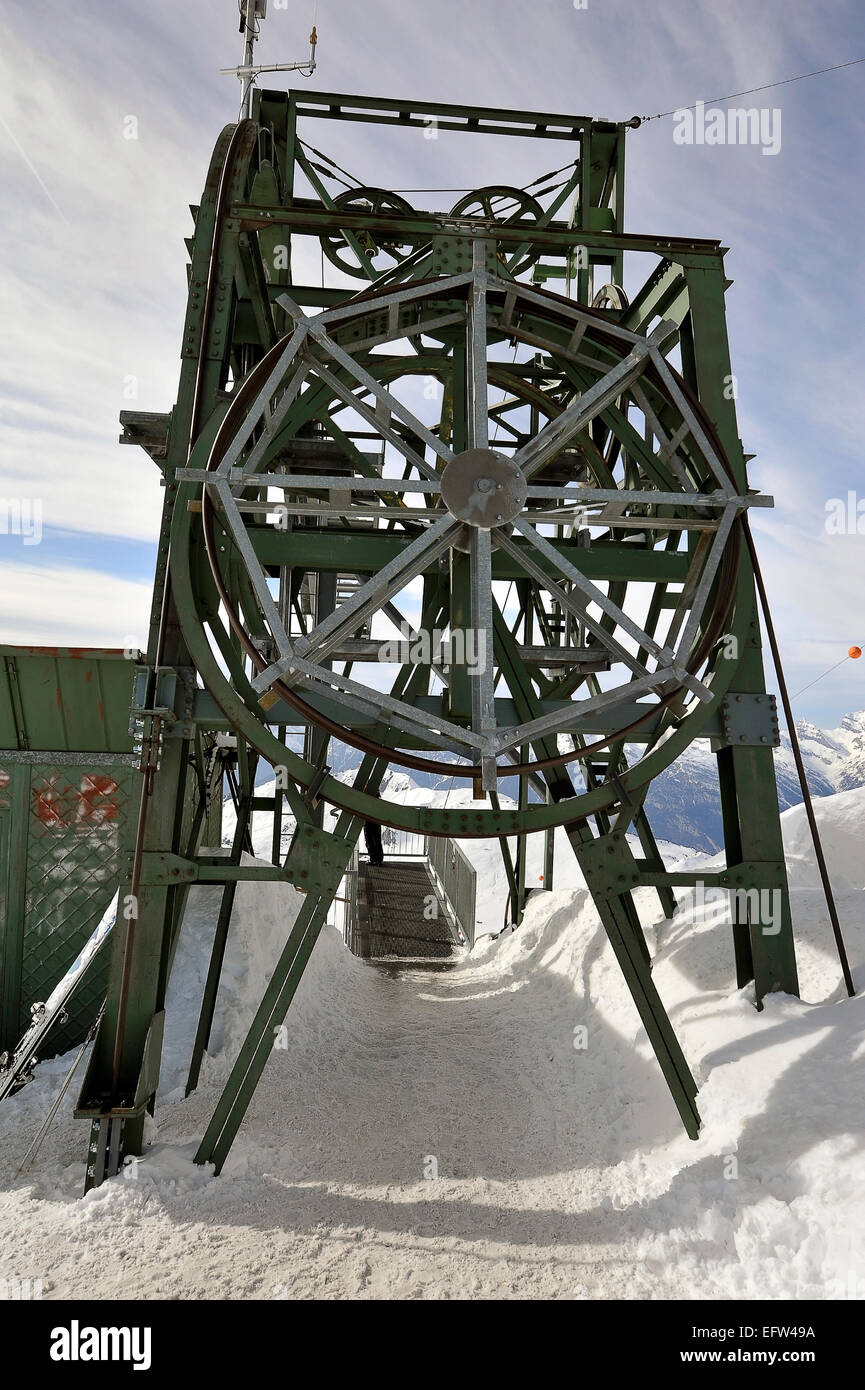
column 501, row 203
column 510, row 206
column 381, row 253
column 619, row 506
column 610, row 297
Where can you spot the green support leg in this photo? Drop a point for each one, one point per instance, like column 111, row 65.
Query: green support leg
column 733, row 844
column 605, row 861
column 549, row 856
column 653, row 860
column 217, row 955
column 258, row 1044
column 123, row 1072
column 752, row 824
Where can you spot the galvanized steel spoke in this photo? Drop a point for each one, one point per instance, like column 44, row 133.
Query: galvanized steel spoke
column 345, row 620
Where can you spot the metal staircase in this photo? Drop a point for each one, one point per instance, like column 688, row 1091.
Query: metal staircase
column 401, row 914
column 416, row 908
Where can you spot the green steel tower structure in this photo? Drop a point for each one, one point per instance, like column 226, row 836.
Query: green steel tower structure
column 462, row 505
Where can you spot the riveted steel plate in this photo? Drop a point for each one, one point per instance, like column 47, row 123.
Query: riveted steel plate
column 483, row 488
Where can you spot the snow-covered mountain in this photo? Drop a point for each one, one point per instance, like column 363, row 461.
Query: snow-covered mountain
column 684, row 804
column 838, row 754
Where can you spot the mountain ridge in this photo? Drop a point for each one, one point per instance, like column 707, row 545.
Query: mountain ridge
column 684, row 802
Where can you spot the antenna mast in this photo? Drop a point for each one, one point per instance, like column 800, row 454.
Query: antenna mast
column 251, row 12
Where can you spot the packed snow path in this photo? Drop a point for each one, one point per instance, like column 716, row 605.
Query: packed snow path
column 561, row 1168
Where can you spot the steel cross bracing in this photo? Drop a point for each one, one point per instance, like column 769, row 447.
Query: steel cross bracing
column 295, row 661
column 452, row 521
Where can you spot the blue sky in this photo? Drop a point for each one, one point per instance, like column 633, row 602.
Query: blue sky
column 93, row 260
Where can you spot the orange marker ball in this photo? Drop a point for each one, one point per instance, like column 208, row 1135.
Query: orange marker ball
column 855, row 652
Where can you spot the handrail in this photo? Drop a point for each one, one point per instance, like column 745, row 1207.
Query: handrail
column 453, row 874
column 457, row 880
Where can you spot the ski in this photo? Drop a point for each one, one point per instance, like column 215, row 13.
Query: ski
column 16, row 1067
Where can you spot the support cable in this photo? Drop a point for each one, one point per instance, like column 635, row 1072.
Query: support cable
column 822, row 676
column 749, row 91
column 55, row 1105
column 800, row 766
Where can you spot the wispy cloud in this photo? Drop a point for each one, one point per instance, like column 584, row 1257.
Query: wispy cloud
column 95, row 304
column 59, row 606
column 34, row 171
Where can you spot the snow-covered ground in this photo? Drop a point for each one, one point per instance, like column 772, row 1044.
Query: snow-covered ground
column 562, row 1170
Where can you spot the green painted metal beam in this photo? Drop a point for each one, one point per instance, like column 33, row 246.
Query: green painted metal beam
column 369, row 552
column 308, row 219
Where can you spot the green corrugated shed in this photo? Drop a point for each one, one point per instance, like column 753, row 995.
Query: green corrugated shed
column 70, row 699
column 67, row 779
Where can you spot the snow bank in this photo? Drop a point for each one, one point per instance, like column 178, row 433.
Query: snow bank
column 263, row 916
column 523, row 1081
column 841, row 821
